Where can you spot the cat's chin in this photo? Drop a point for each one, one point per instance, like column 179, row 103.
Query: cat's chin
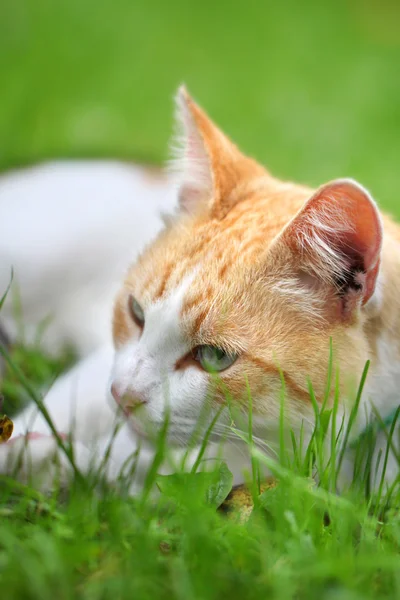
column 137, row 428
column 150, row 432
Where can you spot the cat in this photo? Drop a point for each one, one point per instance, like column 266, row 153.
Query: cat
column 248, row 283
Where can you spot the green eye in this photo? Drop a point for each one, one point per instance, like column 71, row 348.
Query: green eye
column 136, row 311
column 212, row 358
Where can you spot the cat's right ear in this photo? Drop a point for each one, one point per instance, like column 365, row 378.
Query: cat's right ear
column 207, row 165
column 337, row 238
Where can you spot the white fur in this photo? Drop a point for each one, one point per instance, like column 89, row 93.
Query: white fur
column 77, row 402
column 69, row 230
column 190, row 163
column 384, row 375
column 146, row 368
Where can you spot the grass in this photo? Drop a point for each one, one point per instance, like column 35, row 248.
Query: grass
column 301, row 540
column 101, row 547
column 309, row 88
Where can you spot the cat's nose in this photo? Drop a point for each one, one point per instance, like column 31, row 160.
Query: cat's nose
column 127, row 400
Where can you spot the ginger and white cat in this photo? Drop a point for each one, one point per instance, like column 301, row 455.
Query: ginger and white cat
column 250, row 279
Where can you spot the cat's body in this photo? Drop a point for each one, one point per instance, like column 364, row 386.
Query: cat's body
column 253, row 277
column 68, row 229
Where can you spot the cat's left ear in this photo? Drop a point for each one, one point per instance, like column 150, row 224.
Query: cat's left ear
column 209, row 167
column 337, row 236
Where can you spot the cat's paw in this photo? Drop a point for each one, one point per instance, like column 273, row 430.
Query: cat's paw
column 36, row 459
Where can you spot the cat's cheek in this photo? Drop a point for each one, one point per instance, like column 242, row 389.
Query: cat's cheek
column 184, row 401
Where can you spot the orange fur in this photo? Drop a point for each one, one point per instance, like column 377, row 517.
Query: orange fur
column 255, row 289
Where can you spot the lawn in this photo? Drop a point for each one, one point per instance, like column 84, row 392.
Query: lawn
column 313, row 91
column 301, row 540
column 309, row 88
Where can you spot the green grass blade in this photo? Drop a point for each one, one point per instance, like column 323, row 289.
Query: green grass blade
column 42, row 408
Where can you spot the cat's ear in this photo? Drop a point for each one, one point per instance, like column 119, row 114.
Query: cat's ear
column 337, row 236
column 209, row 167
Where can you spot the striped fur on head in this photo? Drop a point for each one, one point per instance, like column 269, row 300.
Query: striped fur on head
column 264, row 269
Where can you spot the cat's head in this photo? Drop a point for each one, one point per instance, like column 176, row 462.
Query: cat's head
column 245, row 285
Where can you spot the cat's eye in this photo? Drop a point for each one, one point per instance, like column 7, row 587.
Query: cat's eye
column 212, row 358
column 136, row 311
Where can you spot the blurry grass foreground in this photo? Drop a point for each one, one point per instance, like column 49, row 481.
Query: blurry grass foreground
column 288, row 538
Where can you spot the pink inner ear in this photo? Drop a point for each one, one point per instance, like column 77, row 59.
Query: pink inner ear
column 342, row 220
column 364, row 240
column 192, row 147
column 364, row 236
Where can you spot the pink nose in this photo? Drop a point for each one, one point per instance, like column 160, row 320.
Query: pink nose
column 127, row 400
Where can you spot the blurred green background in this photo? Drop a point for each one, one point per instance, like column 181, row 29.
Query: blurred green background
column 311, row 89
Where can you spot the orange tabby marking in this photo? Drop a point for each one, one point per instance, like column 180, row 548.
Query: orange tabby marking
column 276, row 269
